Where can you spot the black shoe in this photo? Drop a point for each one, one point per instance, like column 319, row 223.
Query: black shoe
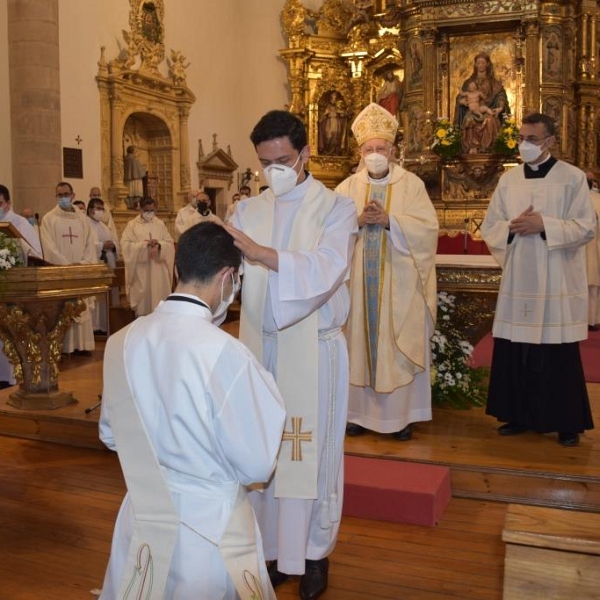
column 314, row 581
column 511, row 429
column 82, row 352
column 593, row 328
column 276, row 577
column 568, row 439
column 404, row 435
column 354, row 429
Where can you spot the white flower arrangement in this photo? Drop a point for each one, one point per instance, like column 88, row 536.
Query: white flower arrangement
column 10, row 253
column 454, row 382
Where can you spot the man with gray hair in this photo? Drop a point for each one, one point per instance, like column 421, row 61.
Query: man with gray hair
column 392, row 286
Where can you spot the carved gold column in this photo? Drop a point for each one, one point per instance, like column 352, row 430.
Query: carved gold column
column 297, row 58
column 531, row 89
column 430, row 69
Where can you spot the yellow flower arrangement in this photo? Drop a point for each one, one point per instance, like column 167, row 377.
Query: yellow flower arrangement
column 446, row 138
column 507, row 141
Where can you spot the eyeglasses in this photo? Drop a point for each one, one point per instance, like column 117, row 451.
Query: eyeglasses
column 65, row 195
column 532, row 139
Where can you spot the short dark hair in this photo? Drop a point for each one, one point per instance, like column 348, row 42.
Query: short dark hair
column 93, row 203
column 535, row 118
column 61, row 183
column 203, row 250
column 4, row 192
column 279, row 123
column 146, row 201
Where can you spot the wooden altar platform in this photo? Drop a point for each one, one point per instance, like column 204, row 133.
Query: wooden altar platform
column 529, row 468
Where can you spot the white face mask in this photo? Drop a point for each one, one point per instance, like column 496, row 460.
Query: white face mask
column 98, row 215
column 529, row 151
column 2, row 213
column 281, row 178
column 148, row 215
column 221, row 310
column 376, row 163
column 243, row 196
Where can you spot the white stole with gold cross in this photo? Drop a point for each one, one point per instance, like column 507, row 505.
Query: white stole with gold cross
column 297, row 345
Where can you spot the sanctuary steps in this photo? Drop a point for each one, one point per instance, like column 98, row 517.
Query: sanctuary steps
column 529, row 468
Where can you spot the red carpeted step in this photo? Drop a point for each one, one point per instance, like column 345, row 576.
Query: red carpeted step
column 392, row 490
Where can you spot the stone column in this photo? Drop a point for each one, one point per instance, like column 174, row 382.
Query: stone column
column 34, row 79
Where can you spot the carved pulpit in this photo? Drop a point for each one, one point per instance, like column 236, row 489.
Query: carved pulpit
column 37, row 306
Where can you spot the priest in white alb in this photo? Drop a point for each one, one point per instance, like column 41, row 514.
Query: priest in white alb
column 194, row 419
column 148, row 253
column 392, row 286
column 197, row 211
column 67, row 239
column 297, row 238
column 107, row 249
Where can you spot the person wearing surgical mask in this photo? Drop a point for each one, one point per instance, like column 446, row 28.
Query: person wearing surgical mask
column 537, row 225
column 148, row 252
column 214, row 419
column 107, row 248
column 297, row 238
column 67, row 239
column 392, row 286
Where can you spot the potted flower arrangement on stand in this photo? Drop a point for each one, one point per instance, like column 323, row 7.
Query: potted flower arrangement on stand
column 446, row 139
column 454, row 382
column 10, row 256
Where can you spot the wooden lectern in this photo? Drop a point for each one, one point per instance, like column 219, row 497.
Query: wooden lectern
column 37, row 306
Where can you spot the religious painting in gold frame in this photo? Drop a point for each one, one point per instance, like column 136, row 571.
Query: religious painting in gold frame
column 500, row 47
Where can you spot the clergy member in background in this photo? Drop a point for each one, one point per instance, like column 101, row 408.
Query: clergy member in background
column 148, row 252
column 197, row 211
column 392, row 286
column 30, row 245
column 536, row 226
column 67, row 239
column 213, row 417
column 297, row 239
column 107, row 218
column 107, row 250
column 592, row 255
column 33, row 220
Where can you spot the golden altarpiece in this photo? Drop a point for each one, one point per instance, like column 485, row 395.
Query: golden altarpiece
column 543, row 57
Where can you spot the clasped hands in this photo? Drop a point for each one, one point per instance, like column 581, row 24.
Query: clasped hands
column 528, row 222
column 374, row 214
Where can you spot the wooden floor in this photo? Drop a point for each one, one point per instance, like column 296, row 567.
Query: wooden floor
column 58, row 505
column 58, row 502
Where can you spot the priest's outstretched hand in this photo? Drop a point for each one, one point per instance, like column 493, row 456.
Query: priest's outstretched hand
column 252, row 251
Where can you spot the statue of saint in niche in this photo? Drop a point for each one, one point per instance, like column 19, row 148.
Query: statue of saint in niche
column 480, row 122
column 333, row 124
column 151, row 28
column 391, row 93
